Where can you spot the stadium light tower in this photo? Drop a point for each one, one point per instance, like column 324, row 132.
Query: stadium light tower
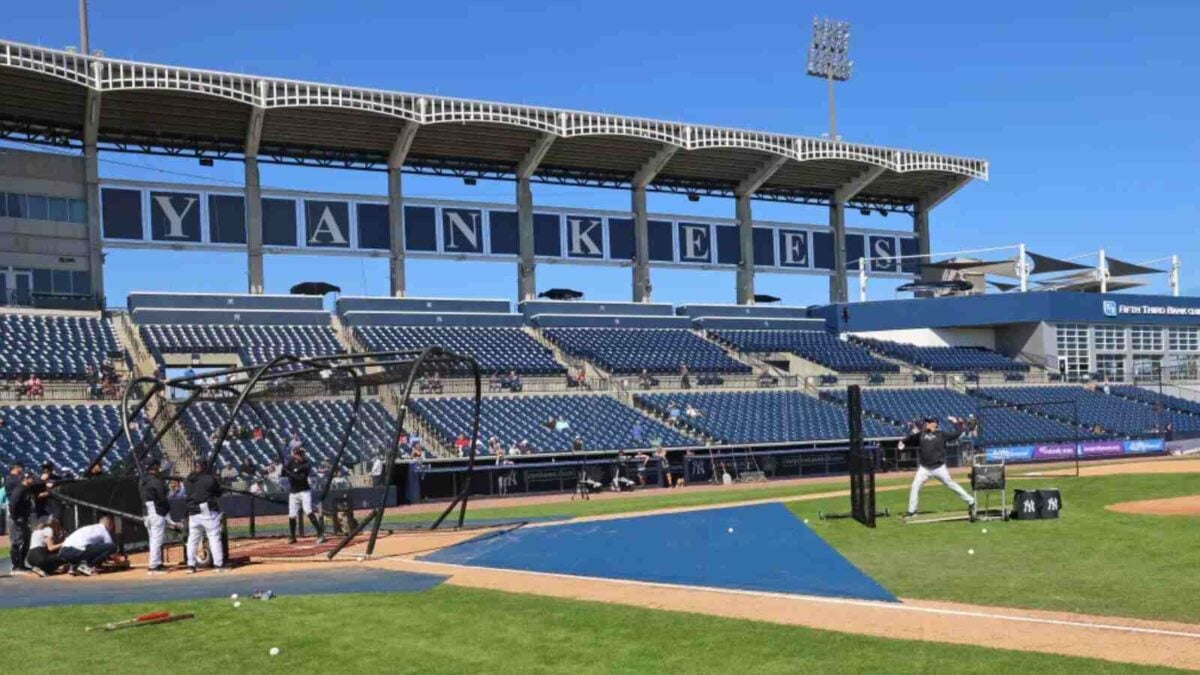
column 829, row 58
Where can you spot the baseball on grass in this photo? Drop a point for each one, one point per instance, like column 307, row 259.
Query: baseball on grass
column 985, row 530
column 237, row 604
column 274, row 651
column 233, row 597
column 970, row 551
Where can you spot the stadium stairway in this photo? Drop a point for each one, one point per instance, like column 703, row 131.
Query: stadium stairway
column 591, row 371
column 756, row 364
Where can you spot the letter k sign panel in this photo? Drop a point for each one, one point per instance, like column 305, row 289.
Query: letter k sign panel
column 326, row 224
column 585, row 236
column 175, row 216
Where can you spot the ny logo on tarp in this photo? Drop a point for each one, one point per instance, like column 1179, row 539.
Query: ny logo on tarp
column 1052, row 504
column 1029, row 506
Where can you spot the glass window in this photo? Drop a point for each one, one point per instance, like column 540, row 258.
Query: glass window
column 1146, row 367
column 16, row 206
column 58, row 210
column 1109, row 338
column 62, row 281
column 38, row 207
column 3, row 204
column 1111, row 366
column 42, row 281
column 1146, row 338
column 1072, row 343
column 1185, row 339
column 78, row 211
column 82, row 283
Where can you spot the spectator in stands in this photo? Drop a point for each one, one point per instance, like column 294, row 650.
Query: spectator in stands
column 294, row 442
column 496, row 382
column 377, row 470
column 44, row 545
column 514, row 383
column 175, row 490
column 972, row 426
column 577, row 444
column 692, row 411
column 228, row 473
column 766, row 379
column 1097, row 428
column 561, row 423
column 418, row 453
column 34, row 387
column 638, row 433
column 88, row 547
column 685, row 381
column 576, row 378
column 550, row 422
column 460, row 445
column 646, row 380
column 514, row 449
column 3, row 422
column 673, row 413
column 494, row 446
column 435, row 383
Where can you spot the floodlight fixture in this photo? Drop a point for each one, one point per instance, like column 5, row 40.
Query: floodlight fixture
column 829, row 59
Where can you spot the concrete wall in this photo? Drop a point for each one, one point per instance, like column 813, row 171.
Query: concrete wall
column 534, row 307
column 936, row 337
column 347, row 304
column 43, row 244
column 1035, row 340
column 747, row 311
column 244, row 317
column 432, row 319
column 222, row 301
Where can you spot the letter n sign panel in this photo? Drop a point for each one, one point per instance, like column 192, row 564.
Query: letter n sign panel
column 326, row 224
column 462, row 230
column 175, row 216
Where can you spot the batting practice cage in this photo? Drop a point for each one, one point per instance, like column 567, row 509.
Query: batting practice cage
column 860, row 463
column 1043, row 430
column 243, row 424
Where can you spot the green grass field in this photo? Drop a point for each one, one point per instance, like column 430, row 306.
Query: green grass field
column 456, row 630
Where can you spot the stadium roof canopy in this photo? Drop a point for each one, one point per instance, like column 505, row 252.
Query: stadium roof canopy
column 160, row 109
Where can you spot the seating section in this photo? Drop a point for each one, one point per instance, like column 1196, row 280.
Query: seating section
column 946, row 359
column 819, row 347
column 658, row 350
column 1107, row 413
column 601, row 422
column 68, row 435
column 763, row 417
column 497, row 349
column 1153, row 398
column 252, row 343
column 320, row 424
column 53, row 347
column 996, row 424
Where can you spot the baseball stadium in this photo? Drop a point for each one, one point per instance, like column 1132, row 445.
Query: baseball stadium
column 975, row 460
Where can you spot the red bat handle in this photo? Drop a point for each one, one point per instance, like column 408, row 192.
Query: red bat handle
column 153, row 615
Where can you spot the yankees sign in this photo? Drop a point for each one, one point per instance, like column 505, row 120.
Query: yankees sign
column 148, row 215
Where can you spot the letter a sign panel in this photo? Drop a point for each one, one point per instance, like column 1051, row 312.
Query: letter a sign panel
column 327, row 224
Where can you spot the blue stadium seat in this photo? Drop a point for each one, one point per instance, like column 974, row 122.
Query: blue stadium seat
column 320, row 424
column 53, row 347
column 1153, row 398
column 602, row 422
column 1111, row 413
column 659, row 350
column 497, row 349
column 764, row 417
column 817, row 346
column 946, row 359
column 997, row 424
column 252, row 343
column 68, row 435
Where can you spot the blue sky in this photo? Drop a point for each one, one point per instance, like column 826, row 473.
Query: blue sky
column 1087, row 111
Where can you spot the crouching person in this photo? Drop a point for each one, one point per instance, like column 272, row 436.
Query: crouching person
column 88, row 547
column 44, row 547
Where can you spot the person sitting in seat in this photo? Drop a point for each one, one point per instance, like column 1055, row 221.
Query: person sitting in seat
column 461, row 444
column 673, row 413
column 496, row 382
column 766, row 379
column 646, row 380
column 692, row 411
column 514, row 383
column 89, row 547
column 44, row 545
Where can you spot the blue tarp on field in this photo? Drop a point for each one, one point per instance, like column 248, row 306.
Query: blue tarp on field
column 760, row 548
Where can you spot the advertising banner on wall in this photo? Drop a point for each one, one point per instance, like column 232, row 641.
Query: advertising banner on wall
column 1068, row 451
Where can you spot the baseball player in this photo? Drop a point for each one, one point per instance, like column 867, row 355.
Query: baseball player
column 204, row 516
column 297, row 470
column 157, row 514
column 931, row 461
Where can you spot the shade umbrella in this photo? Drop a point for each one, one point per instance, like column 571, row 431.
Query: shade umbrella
column 314, row 288
column 561, row 294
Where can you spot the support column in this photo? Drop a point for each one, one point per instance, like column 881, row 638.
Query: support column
column 837, row 229
column 526, row 270
column 921, row 229
column 396, row 232
column 91, row 180
column 254, row 228
column 254, row 217
column 745, row 269
column 396, row 239
column 641, row 246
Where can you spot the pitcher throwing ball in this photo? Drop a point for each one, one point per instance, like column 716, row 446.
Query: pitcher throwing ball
column 931, row 461
column 297, row 470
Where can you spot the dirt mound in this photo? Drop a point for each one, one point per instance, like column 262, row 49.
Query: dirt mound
column 1174, row 506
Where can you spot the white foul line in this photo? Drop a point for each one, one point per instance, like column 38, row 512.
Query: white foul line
column 837, row 601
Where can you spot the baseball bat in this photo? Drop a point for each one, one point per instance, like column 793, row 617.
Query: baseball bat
column 145, row 617
column 166, row 619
